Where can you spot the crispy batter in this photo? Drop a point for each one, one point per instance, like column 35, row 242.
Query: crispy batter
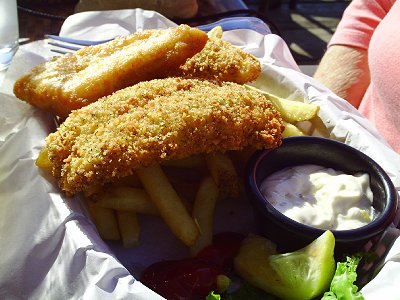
column 220, row 60
column 74, row 80
column 158, row 120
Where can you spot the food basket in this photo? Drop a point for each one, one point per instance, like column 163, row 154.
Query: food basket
column 50, row 248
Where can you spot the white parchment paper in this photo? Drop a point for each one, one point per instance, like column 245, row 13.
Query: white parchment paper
column 49, row 249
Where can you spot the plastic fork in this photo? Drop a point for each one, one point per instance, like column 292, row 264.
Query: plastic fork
column 66, row 45
column 70, row 43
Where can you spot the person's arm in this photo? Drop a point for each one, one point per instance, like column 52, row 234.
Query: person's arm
column 344, row 67
column 344, row 70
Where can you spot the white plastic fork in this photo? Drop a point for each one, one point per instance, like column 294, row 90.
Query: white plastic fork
column 70, row 43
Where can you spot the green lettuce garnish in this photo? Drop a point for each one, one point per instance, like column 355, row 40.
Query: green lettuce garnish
column 342, row 285
column 246, row 291
column 213, row 296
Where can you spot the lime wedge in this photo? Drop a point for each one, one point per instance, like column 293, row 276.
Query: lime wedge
column 302, row 274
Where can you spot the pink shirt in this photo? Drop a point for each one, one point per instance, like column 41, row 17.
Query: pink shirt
column 375, row 25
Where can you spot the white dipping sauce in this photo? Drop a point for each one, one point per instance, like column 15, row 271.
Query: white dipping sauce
column 321, row 197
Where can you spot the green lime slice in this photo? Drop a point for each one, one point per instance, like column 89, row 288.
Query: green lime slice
column 302, row 274
column 309, row 270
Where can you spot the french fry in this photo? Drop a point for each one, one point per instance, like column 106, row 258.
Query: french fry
column 105, row 221
column 241, row 157
column 224, row 174
column 203, row 213
column 185, row 175
column 185, row 182
column 306, row 127
column 216, row 32
column 319, row 128
column 129, row 199
column 93, row 190
column 43, row 161
column 291, row 111
column 169, row 204
column 187, row 192
column 194, row 161
column 131, row 180
column 129, row 228
column 291, row 130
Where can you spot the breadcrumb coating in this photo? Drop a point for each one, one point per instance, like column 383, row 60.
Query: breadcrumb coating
column 220, row 60
column 158, row 120
column 74, row 80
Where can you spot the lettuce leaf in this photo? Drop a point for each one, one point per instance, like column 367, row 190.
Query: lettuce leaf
column 246, row 291
column 342, row 285
column 213, row 296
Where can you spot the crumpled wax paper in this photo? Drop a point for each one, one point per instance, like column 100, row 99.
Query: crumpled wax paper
column 49, row 248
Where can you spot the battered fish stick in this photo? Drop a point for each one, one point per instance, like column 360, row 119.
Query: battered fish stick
column 72, row 81
column 220, row 60
column 157, row 120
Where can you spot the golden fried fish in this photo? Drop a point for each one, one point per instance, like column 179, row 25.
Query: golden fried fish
column 158, row 120
column 74, row 80
column 220, row 60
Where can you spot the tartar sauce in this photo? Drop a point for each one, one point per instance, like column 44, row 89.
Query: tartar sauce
column 321, row 197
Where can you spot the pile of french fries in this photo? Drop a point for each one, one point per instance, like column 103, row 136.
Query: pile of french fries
column 184, row 193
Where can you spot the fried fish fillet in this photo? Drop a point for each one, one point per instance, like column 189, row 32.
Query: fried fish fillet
column 220, row 60
column 158, row 120
column 74, row 80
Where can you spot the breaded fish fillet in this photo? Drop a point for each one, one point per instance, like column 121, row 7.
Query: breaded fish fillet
column 220, row 60
column 157, row 120
column 74, row 80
